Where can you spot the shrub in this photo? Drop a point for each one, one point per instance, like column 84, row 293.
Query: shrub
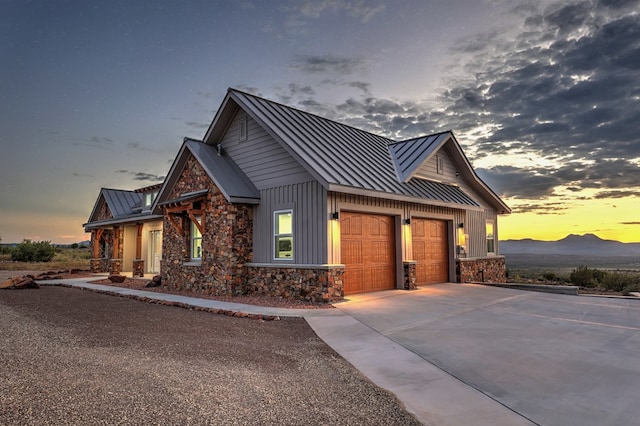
column 28, row 251
column 549, row 276
column 583, row 276
column 617, row 281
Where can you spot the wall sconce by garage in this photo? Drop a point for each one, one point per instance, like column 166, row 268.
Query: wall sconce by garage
column 335, row 215
column 407, row 221
column 461, row 225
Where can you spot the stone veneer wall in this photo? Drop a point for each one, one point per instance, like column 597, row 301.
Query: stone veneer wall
column 138, row 267
column 227, row 242
column 409, row 275
column 485, row 269
column 313, row 283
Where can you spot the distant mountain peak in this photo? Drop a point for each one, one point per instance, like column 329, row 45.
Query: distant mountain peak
column 586, row 244
column 581, row 238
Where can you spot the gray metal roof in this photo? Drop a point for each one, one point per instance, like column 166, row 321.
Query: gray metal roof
column 121, row 202
column 410, row 154
column 341, row 156
column 230, row 180
column 125, row 207
column 133, row 218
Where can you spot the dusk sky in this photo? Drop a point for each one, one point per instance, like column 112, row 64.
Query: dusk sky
column 544, row 96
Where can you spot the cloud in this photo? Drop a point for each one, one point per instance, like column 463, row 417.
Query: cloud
column 362, row 10
column 142, row 176
column 328, row 64
column 547, row 208
column 197, row 125
column 83, row 175
column 565, row 89
column 96, row 142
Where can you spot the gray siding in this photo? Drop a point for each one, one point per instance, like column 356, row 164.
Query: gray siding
column 261, row 158
column 429, row 170
column 475, row 226
column 308, row 201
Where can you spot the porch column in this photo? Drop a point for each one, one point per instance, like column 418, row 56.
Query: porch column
column 116, row 260
column 95, row 262
column 138, row 262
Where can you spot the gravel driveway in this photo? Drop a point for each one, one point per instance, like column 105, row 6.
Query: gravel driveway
column 77, row 357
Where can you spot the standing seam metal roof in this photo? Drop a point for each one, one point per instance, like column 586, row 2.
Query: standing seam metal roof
column 121, row 202
column 345, row 156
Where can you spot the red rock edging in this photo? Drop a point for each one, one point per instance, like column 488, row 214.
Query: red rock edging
column 226, row 312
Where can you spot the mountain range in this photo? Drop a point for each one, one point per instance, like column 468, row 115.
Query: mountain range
column 587, row 244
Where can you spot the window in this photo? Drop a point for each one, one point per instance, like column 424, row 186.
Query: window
column 283, row 234
column 149, row 197
column 196, row 241
column 491, row 243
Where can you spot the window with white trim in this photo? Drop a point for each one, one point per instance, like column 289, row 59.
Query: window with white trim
column 491, row 241
column 283, row 234
column 196, row 241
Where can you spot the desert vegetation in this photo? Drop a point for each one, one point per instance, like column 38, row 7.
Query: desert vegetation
column 43, row 256
column 589, row 279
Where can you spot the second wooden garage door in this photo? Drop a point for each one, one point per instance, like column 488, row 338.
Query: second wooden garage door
column 430, row 250
column 368, row 250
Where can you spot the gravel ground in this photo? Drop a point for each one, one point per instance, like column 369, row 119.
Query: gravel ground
column 77, row 357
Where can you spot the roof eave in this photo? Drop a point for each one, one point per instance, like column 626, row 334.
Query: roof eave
column 400, row 197
column 120, row 221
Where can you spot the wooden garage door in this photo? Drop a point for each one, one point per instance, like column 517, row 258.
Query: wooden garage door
column 430, row 250
column 367, row 249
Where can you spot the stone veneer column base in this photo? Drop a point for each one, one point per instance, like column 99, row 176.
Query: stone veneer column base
column 409, row 267
column 316, row 283
column 490, row 269
column 138, row 267
column 115, row 266
column 95, row 265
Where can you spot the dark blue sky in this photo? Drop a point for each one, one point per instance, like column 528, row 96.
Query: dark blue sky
column 543, row 95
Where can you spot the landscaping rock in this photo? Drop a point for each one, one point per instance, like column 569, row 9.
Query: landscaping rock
column 18, row 283
column 114, row 278
column 156, row 281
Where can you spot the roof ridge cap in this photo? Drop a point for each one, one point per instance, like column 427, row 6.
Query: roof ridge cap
column 310, row 113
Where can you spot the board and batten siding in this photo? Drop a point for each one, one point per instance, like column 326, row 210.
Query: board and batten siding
column 429, row 171
column 475, row 226
column 260, row 156
column 308, row 201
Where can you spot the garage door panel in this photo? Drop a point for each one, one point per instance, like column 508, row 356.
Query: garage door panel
column 352, row 250
column 430, row 250
column 368, row 251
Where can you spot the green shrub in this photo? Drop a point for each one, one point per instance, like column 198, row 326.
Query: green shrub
column 583, row 276
column 619, row 281
column 28, row 251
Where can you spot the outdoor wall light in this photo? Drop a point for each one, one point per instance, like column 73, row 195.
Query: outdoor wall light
column 461, row 225
column 407, row 221
column 335, row 215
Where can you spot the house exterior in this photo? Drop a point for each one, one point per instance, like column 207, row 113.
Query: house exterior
column 277, row 201
column 126, row 237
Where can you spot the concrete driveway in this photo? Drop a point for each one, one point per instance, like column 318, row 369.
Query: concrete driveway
column 470, row 354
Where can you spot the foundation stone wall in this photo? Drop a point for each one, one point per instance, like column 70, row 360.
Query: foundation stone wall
column 316, row 284
column 486, row 269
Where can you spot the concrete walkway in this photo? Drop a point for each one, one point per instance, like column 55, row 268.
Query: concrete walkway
column 432, row 395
